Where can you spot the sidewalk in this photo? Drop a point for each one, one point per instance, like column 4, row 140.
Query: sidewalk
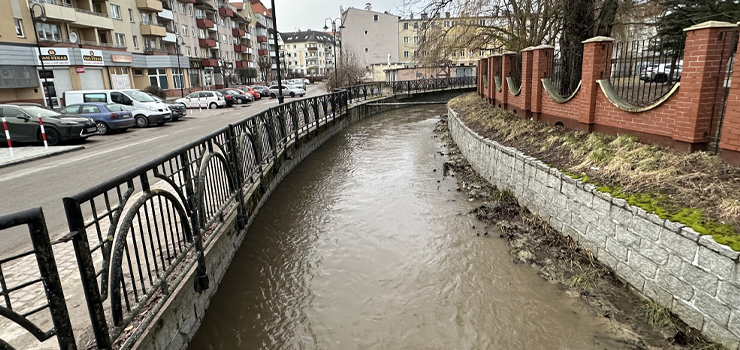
column 29, row 153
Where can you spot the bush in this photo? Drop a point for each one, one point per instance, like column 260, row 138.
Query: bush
column 156, row 91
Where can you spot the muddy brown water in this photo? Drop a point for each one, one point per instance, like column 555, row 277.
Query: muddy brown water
column 361, row 247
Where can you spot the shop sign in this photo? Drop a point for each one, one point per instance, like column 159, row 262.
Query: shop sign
column 80, row 69
column 196, row 63
column 121, row 58
column 92, row 57
column 54, row 56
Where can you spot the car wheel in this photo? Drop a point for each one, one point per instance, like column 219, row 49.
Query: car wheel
column 141, row 121
column 273, row 95
column 292, row 94
column 213, row 105
column 237, row 101
column 53, row 137
column 102, row 128
column 244, row 100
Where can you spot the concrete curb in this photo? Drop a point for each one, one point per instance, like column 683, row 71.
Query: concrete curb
column 48, row 154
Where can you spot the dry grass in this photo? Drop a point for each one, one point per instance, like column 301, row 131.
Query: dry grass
column 697, row 189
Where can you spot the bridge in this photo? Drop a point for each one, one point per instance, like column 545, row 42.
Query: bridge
column 165, row 231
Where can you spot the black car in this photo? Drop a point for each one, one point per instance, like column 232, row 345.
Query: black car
column 23, row 124
column 229, row 97
column 177, row 109
column 239, row 97
column 263, row 90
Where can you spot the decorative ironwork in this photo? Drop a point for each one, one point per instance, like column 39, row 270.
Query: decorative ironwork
column 565, row 69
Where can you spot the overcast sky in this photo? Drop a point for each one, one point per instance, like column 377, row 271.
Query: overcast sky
column 310, row 14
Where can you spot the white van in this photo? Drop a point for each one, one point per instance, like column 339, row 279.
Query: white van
column 131, row 97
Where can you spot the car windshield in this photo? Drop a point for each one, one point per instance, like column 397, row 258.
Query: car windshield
column 139, row 96
column 114, row 107
column 234, row 92
column 156, row 98
column 219, row 93
column 39, row 111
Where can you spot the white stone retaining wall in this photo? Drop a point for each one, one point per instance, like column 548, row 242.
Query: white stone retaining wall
column 692, row 275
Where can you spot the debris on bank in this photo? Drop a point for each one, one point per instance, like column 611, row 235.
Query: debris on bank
column 638, row 323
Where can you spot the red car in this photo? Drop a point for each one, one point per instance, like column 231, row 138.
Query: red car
column 252, row 92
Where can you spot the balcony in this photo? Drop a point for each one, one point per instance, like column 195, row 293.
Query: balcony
column 149, row 5
column 262, row 52
column 59, row 11
column 270, row 30
column 249, row 50
column 93, row 19
column 155, row 51
column 271, row 41
column 226, row 12
column 251, row 64
column 204, row 23
column 247, row 36
column 170, row 38
column 187, row 1
column 209, row 62
column 261, row 39
column 166, row 14
column 207, row 42
column 153, row 30
column 237, row 32
column 240, row 48
column 240, row 64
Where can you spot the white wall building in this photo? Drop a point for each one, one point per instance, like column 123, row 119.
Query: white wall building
column 308, row 52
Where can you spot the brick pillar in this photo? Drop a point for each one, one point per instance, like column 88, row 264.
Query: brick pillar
column 597, row 55
column 507, row 62
column 542, row 57
column 730, row 138
column 526, row 81
column 700, row 79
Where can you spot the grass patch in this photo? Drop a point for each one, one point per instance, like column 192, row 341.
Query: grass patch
column 657, row 316
column 585, row 280
column 696, row 189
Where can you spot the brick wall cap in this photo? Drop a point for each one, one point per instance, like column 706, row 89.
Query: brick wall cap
column 529, row 48
column 597, row 39
column 509, row 53
column 542, row 47
column 710, row 24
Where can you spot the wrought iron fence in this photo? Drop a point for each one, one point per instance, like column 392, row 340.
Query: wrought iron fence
column 137, row 235
column 565, row 69
column 515, row 81
column 728, row 55
column 13, row 284
column 643, row 71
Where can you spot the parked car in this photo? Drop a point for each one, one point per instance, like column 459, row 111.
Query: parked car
column 129, row 97
column 287, row 91
column 107, row 116
column 203, row 99
column 239, row 97
column 252, row 92
column 23, row 124
column 227, row 96
column 296, row 82
column 145, row 117
column 659, row 73
column 177, row 109
column 263, row 90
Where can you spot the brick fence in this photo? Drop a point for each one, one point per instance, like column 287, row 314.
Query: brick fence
column 685, row 120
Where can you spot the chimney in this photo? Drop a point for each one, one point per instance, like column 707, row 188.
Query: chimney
column 411, row 16
column 447, row 15
column 369, row 6
column 423, row 16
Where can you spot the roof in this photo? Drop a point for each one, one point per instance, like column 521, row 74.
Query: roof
column 238, row 5
column 309, row 35
column 258, row 7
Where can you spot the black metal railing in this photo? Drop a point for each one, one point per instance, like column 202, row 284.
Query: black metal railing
column 565, row 69
column 14, row 284
column 643, row 71
column 515, row 62
column 728, row 55
column 137, row 235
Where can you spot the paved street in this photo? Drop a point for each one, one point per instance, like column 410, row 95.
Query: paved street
column 44, row 182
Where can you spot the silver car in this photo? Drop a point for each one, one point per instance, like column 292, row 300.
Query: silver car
column 288, row 90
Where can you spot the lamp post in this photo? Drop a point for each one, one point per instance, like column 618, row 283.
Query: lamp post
column 179, row 42
column 42, row 17
column 334, row 36
column 277, row 53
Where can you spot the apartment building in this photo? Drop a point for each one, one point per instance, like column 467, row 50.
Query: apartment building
column 310, row 53
column 264, row 30
column 103, row 44
column 373, row 36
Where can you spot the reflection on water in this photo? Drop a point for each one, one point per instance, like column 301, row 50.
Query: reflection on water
column 361, row 247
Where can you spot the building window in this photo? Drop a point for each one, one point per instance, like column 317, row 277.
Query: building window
column 131, row 15
column 366, row 32
column 136, row 41
column 223, row 38
column 193, row 30
column 185, row 29
column 18, row 27
column 406, row 54
column 405, row 40
column 48, row 31
column 115, row 11
column 190, row 9
column 198, row 13
column 201, row 33
column 177, row 78
column 182, row 8
column 158, row 77
column 446, row 24
column 146, row 18
column 416, row 40
column 375, row 18
column 416, row 25
column 187, row 50
column 405, row 26
column 462, row 53
column 194, row 78
column 366, row 49
column 121, row 40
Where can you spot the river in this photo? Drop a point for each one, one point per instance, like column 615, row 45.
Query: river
column 366, row 246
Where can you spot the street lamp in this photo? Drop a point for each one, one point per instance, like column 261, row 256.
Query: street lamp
column 179, row 42
column 42, row 17
column 277, row 53
column 334, row 36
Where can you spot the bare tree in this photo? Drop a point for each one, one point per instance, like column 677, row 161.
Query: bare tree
column 350, row 70
column 265, row 66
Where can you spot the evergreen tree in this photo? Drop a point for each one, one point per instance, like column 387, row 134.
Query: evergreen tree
column 680, row 14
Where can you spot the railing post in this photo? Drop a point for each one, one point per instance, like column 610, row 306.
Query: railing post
column 85, row 264
column 189, row 193
column 236, row 162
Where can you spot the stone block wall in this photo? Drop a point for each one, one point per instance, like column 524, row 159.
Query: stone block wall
column 691, row 275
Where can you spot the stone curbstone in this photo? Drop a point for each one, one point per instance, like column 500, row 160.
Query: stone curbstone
column 657, row 293
column 645, row 228
column 607, row 259
column 642, row 264
column 717, row 264
column 678, row 288
column 621, row 215
column 712, row 308
column 618, row 250
column 626, row 237
column 687, row 313
column 654, row 252
column 721, row 249
column 699, row 279
column 678, row 244
column 633, row 278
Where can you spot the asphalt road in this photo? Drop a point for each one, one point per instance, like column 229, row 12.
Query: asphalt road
column 44, row 182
